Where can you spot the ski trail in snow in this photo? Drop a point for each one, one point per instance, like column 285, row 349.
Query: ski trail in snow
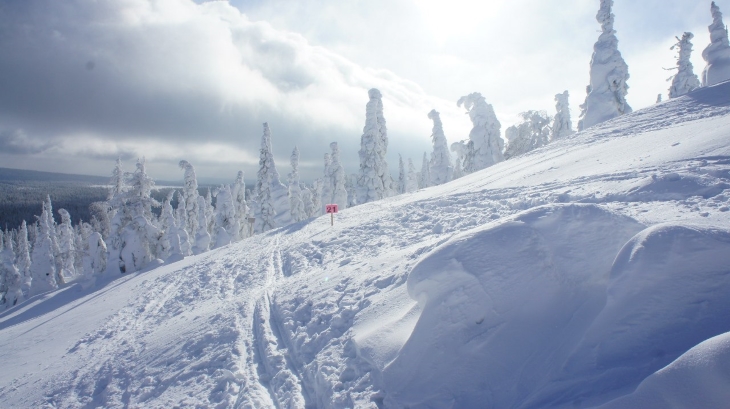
column 269, row 380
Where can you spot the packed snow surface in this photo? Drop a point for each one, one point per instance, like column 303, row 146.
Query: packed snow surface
column 591, row 272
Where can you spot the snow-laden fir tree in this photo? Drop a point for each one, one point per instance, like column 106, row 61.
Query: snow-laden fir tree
column 412, row 177
column 460, row 149
column 317, row 197
column 607, row 91
column 67, row 246
column 374, row 181
column 238, row 192
column 401, row 175
column 95, row 256
column 170, row 240
column 209, row 212
column 295, row 193
column 440, row 167
column 424, row 180
column 202, row 237
column 140, row 235
column 531, row 133
column 327, row 186
column 181, row 217
column 485, row 144
column 658, row 98
column 717, row 54
column 562, row 126
column 23, row 261
column 12, row 281
column 226, row 224
column 190, row 197
column 684, row 80
column 350, row 186
column 81, row 235
column 307, row 200
column 272, row 196
column 337, row 174
column 43, row 266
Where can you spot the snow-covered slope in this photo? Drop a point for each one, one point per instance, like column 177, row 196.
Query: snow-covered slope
column 592, row 271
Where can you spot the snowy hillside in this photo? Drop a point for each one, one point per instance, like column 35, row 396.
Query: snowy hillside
column 592, row 272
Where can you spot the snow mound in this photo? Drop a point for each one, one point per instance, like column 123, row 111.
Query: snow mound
column 697, row 379
column 535, row 312
column 502, row 305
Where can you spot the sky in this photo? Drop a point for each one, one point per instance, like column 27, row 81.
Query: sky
column 83, row 82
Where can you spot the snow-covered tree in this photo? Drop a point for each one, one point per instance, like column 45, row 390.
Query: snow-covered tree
column 238, row 192
column 424, row 180
column 226, row 223
column 190, row 197
column 562, row 126
column 43, row 267
column 67, row 246
column 298, row 213
column 460, row 149
column 533, row 132
column 202, row 237
column 412, row 177
column 440, row 168
column 95, row 255
column 23, row 261
column 374, row 181
column 685, row 79
column 186, row 247
column 606, row 94
column 12, row 281
column 717, row 54
column 272, row 196
column 485, row 145
column 317, row 197
column 350, row 186
column 327, row 187
column 337, row 174
column 170, row 239
column 401, row 175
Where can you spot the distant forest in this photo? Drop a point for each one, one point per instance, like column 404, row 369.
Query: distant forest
column 22, row 193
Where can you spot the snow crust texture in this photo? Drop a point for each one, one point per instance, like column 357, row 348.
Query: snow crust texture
column 590, row 272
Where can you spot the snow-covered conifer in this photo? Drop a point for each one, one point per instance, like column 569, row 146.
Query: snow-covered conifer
column 533, row 132
column 307, row 200
column 186, row 247
column 43, row 266
column 170, row 239
column 606, row 94
column 190, row 197
column 272, row 196
column 95, row 255
column 202, row 237
column 685, row 79
column 460, row 149
column 351, row 187
column 295, row 194
column 23, row 261
column 226, row 223
column 209, row 212
column 485, row 144
column 562, row 126
column 717, row 54
column 317, row 197
column 401, row 175
column 327, row 187
column 440, row 168
column 337, row 174
column 424, row 180
column 67, row 246
column 12, row 281
column 238, row 192
column 412, row 177
column 374, row 180
column 658, row 98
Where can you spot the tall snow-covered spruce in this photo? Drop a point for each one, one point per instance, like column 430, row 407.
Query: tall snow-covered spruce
column 717, row 54
column 684, row 80
column 337, row 174
column 533, row 132
column 298, row 213
column 607, row 91
column 374, row 181
column 190, row 197
column 485, row 144
column 562, row 126
column 272, row 196
column 440, row 168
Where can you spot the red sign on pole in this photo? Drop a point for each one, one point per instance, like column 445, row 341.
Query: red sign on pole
column 331, row 209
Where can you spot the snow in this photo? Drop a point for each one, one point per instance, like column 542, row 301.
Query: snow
column 589, row 272
column 717, row 53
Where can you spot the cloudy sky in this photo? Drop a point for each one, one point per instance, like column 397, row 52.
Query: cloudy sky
column 85, row 81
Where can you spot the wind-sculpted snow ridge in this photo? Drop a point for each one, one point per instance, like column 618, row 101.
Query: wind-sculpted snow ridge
column 589, row 271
